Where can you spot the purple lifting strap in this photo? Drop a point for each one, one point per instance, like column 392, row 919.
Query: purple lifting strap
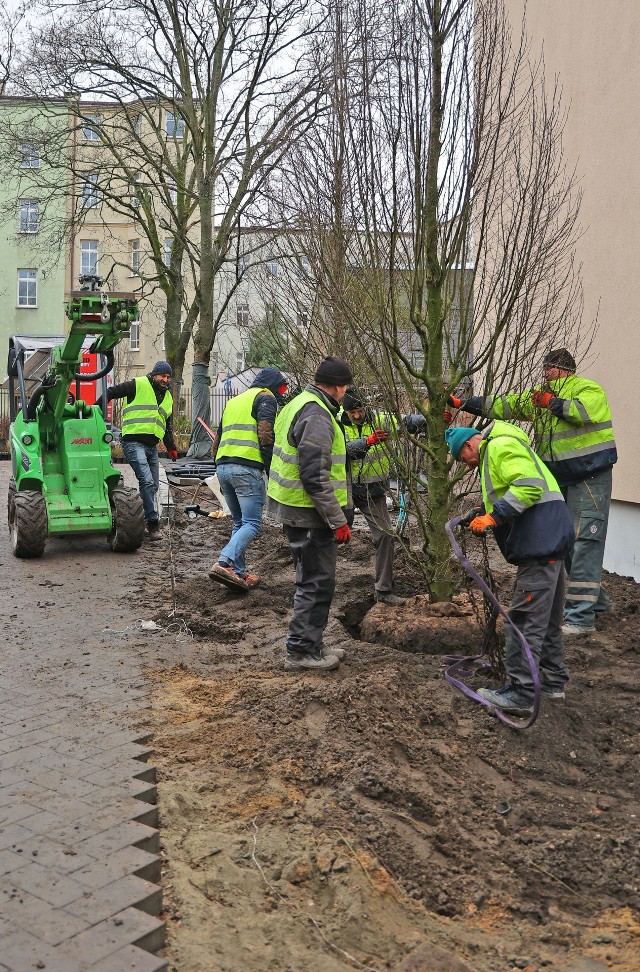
column 466, row 666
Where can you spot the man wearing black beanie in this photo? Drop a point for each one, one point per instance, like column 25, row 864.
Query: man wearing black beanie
column 310, row 494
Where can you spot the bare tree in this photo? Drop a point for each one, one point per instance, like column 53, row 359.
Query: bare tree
column 444, row 222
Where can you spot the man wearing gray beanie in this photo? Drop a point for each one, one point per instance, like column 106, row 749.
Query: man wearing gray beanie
column 309, row 493
column 574, row 438
column 146, row 420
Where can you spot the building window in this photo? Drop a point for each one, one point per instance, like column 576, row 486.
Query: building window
column 137, row 125
column 90, row 191
column 88, row 257
column 172, row 190
column 305, row 266
column 242, row 315
column 28, row 216
column 27, row 288
column 215, row 363
column 302, row 320
column 167, row 252
column 242, row 266
column 239, row 361
column 29, row 155
column 272, row 269
column 134, row 336
column 135, row 196
column 175, row 126
column 135, row 257
column 90, row 128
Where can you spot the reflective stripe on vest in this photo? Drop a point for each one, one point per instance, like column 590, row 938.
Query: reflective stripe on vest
column 374, row 467
column 285, row 485
column 492, row 492
column 239, row 439
column 144, row 416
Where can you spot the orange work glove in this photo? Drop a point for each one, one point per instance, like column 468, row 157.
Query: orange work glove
column 173, row 454
column 378, row 436
column 541, row 399
column 481, row 524
column 455, row 402
column 342, row 534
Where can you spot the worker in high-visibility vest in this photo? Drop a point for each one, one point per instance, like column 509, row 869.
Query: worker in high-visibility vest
column 244, row 449
column 309, row 493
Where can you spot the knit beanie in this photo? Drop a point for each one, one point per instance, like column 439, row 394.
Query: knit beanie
column 457, row 436
column 560, row 358
column 333, row 371
column 161, row 368
column 353, row 398
column 271, row 378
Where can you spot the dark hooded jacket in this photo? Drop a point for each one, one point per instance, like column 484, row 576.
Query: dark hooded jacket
column 264, row 410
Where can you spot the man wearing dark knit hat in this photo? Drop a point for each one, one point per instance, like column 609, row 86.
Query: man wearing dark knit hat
column 574, row 438
column 309, row 493
column 146, row 420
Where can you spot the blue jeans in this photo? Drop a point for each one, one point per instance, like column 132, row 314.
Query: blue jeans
column 144, row 461
column 588, row 503
column 244, row 490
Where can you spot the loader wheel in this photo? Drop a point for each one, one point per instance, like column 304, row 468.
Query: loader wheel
column 11, row 499
column 27, row 522
column 128, row 520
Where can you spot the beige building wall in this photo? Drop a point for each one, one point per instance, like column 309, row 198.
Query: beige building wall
column 593, row 49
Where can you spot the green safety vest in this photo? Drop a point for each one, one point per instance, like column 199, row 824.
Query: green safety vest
column 533, row 483
column 239, row 439
column 144, row 416
column 581, row 439
column 284, row 478
column 374, row 466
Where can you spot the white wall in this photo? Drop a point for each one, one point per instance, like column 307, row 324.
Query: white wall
column 622, row 554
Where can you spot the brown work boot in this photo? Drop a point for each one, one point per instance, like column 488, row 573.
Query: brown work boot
column 228, row 577
column 154, row 531
column 252, row 580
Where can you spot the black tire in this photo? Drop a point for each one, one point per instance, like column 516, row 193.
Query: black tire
column 10, row 500
column 128, row 520
column 27, row 522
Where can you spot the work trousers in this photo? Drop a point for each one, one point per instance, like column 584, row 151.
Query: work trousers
column 536, row 610
column 375, row 512
column 314, row 553
column 145, row 463
column 588, row 503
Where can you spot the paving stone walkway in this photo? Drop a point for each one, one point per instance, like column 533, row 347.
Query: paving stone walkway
column 79, row 864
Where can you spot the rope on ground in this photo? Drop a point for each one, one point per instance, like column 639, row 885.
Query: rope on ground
column 178, row 628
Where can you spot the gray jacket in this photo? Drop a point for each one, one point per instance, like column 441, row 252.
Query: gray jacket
column 311, row 433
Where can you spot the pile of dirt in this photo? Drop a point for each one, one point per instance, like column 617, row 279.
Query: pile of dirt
column 328, row 822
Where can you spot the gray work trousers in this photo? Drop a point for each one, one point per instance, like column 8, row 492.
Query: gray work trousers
column 588, row 503
column 378, row 520
column 314, row 553
column 537, row 610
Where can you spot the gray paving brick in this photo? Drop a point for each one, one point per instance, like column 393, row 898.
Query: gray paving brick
column 129, row 927
column 24, row 791
column 10, row 862
column 14, row 812
column 13, row 835
column 126, row 892
column 146, row 838
column 56, row 889
column 22, row 952
column 128, row 860
column 29, row 912
column 131, row 959
column 61, row 858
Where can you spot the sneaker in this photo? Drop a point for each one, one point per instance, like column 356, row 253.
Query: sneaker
column 340, row 653
column 550, row 692
column 312, row 663
column 577, row 630
column 154, row 531
column 251, row 580
column 228, row 576
column 507, row 700
column 386, row 597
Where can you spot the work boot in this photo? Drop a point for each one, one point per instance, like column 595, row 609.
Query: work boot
column 311, row 663
column 387, row 597
column 227, row 576
column 508, row 700
column 154, row 531
column 550, row 692
column 577, row 630
column 252, row 580
column 340, row 653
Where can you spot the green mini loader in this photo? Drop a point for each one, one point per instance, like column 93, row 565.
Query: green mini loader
column 63, row 481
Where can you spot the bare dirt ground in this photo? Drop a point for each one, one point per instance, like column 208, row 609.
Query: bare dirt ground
column 316, row 823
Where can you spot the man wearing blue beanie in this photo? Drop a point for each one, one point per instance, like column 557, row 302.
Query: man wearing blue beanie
column 534, row 530
column 146, row 420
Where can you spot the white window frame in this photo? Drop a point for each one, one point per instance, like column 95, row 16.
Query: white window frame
column 172, row 189
column 135, row 197
column 137, row 124
column 168, row 244
column 28, row 216
column 135, row 258
column 243, row 315
column 88, row 250
column 134, row 336
column 90, row 191
column 27, row 288
column 242, row 265
column 89, row 132
column 29, row 155
column 272, row 269
column 174, row 125
column 239, row 361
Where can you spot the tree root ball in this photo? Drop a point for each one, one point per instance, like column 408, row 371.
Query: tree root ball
column 447, row 627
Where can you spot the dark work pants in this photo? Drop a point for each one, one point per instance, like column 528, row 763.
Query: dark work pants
column 314, row 553
column 378, row 520
column 537, row 610
column 588, row 503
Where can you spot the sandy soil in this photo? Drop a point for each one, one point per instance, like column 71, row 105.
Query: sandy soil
column 346, row 820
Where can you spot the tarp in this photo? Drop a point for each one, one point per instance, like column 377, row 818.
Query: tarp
column 200, row 443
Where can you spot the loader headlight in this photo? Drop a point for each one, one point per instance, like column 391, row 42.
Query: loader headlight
column 27, row 439
column 107, row 437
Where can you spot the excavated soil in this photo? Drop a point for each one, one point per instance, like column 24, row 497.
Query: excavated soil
column 316, row 823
